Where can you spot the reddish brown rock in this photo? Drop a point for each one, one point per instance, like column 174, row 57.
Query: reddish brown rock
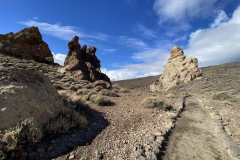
column 26, row 43
column 83, row 63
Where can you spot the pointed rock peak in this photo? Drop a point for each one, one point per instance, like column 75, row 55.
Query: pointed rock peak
column 73, row 44
column 84, row 48
column 91, row 50
column 176, row 51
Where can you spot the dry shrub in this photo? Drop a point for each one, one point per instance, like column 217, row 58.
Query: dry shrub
column 223, row 96
column 170, row 95
column 83, row 91
column 100, row 100
column 154, row 102
column 124, row 90
column 75, row 87
column 88, row 96
column 67, row 120
column 25, row 132
column 109, row 93
column 120, row 90
column 98, row 88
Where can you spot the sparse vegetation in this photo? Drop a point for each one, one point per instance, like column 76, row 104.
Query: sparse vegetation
column 100, row 100
column 154, row 102
column 223, row 96
column 13, row 138
column 109, row 93
column 83, row 91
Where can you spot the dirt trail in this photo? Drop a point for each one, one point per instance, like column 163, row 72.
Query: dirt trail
column 195, row 136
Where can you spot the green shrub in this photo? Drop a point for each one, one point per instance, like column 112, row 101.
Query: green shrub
column 154, row 102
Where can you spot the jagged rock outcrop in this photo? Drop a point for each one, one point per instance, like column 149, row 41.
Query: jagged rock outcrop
column 84, row 65
column 24, row 94
column 177, row 70
column 26, row 43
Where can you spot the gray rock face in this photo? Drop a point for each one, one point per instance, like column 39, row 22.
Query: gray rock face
column 178, row 70
column 26, row 43
column 26, row 93
column 83, row 63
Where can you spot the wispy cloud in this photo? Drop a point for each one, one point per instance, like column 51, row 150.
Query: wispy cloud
column 64, row 32
column 222, row 17
column 151, row 65
column 179, row 39
column 149, row 55
column 132, row 42
column 144, row 31
column 109, row 50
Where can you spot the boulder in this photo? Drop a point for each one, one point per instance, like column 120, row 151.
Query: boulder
column 24, row 94
column 83, row 63
column 178, row 70
column 26, row 43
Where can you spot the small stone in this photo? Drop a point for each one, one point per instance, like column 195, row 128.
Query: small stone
column 71, row 157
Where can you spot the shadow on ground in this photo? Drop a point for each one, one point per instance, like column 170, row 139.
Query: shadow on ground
column 65, row 144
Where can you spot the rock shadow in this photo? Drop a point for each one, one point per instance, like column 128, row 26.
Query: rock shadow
column 54, row 148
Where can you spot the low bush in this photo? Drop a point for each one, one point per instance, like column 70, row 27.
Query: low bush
column 223, row 96
column 154, row 102
column 100, row 100
column 83, row 91
column 109, row 93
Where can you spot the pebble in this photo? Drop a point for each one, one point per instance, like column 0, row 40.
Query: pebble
column 71, row 157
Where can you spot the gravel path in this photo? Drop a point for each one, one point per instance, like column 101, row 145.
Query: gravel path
column 195, row 136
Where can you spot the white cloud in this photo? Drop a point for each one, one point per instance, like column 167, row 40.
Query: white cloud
column 59, row 58
column 120, row 74
column 147, row 33
column 63, row 32
column 179, row 39
column 132, row 42
column 109, row 50
column 222, row 17
column 179, row 11
column 148, row 55
column 144, row 69
column 219, row 44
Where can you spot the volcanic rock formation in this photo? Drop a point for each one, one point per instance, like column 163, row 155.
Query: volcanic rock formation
column 177, row 70
column 26, row 43
column 84, row 65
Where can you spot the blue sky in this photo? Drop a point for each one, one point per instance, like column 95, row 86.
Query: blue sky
column 133, row 37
